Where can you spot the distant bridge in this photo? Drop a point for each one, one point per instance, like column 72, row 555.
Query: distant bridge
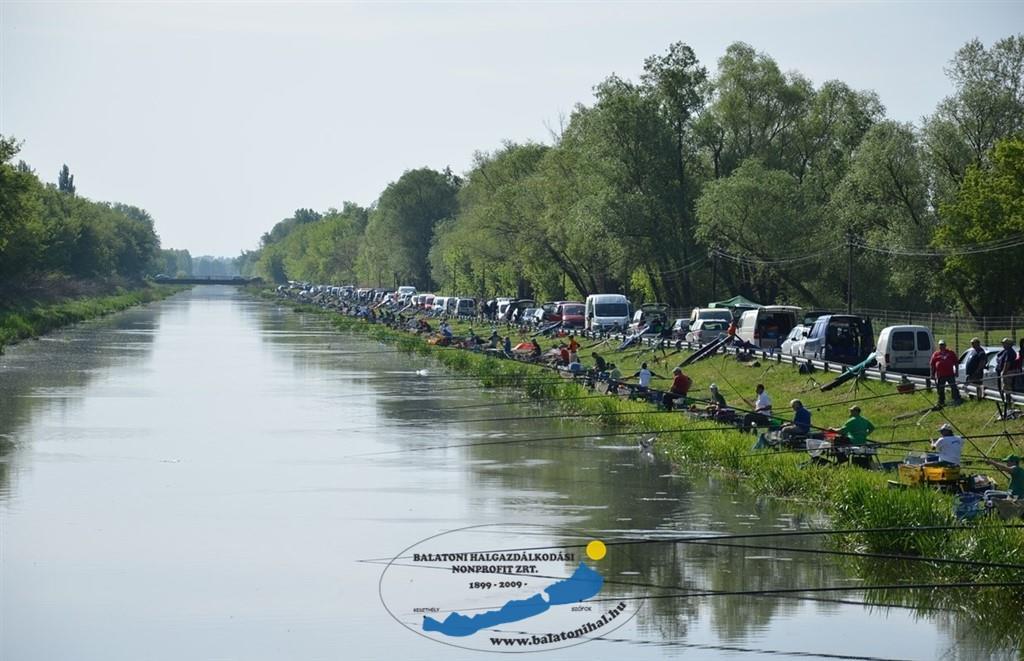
column 236, row 280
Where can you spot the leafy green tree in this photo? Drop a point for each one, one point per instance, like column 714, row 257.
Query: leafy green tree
column 401, row 227
column 760, row 215
column 989, row 206
column 986, row 106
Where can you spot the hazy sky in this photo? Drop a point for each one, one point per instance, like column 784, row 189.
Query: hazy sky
column 221, row 119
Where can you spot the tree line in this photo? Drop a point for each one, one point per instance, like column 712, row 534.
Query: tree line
column 48, row 229
column 687, row 184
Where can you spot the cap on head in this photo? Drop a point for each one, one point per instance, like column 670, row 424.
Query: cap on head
column 1012, row 459
column 855, row 409
column 942, row 343
column 944, row 427
column 677, row 371
column 713, row 386
column 643, row 366
column 1007, row 340
column 796, row 403
column 975, row 340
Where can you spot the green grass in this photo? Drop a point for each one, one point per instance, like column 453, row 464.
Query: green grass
column 28, row 319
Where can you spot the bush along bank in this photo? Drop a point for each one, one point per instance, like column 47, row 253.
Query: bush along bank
column 915, row 527
column 27, row 320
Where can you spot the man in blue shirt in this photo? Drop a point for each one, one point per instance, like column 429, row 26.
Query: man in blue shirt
column 801, row 425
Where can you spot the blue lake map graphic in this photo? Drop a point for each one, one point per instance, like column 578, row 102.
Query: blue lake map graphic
column 582, row 585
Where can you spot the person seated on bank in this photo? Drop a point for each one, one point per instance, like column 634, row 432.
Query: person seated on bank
column 680, row 388
column 536, row 351
column 801, row 425
column 574, row 346
column 446, row 330
column 948, row 445
column 506, row 346
column 644, row 376
column 564, row 355
column 575, row 366
column 614, row 378
column 1014, row 471
column 717, row 401
column 761, row 415
column 493, row 340
column 857, row 428
column 600, row 364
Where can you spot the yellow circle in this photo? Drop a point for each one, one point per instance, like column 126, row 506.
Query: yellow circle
column 596, row 550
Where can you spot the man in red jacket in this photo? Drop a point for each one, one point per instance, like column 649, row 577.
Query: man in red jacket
column 944, row 366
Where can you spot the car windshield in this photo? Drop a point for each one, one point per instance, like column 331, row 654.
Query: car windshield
column 572, row 309
column 611, row 310
column 713, row 325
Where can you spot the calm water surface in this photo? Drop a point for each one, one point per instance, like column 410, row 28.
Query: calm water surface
column 205, row 477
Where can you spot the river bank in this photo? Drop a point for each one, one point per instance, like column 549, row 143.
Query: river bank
column 26, row 318
column 917, row 527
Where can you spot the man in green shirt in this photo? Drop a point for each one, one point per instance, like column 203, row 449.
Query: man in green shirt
column 856, row 429
column 1011, row 466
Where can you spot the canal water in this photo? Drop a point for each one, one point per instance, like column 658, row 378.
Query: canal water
column 215, row 477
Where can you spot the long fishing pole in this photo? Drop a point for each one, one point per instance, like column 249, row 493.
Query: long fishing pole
column 532, row 440
column 814, row 532
column 867, row 554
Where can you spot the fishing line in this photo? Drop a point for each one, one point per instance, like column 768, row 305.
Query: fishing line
column 534, row 440
column 868, row 554
column 656, row 586
column 732, row 537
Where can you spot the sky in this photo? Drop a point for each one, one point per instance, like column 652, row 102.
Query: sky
column 221, row 119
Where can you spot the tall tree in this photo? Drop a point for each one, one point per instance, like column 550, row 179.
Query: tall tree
column 66, row 181
column 986, row 106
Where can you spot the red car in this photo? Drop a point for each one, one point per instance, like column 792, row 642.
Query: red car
column 570, row 313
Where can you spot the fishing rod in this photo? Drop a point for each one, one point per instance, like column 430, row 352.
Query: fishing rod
column 867, row 554
column 531, row 440
column 386, row 393
column 890, row 587
column 656, row 586
column 814, row 532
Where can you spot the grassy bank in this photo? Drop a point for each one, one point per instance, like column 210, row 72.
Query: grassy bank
column 30, row 318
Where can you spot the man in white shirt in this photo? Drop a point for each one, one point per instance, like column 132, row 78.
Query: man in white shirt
column 949, row 446
column 761, row 415
column 644, row 376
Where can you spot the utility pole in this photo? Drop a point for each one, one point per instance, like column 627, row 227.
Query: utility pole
column 714, row 274
column 849, row 272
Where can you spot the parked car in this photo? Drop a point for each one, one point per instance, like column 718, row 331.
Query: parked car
column 680, row 328
column 503, row 304
column 722, row 314
column 793, row 344
column 989, row 379
column 531, row 315
column 905, row 349
column 465, row 307
column 840, row 338
column 768, row 326
column 514, row 310
column 706, row 330
column 570, row 313
column 607, row 312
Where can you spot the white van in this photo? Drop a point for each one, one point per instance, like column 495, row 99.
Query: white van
column 440, row 305
column 607, row 312
column 767, row 327
column 905, row 349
